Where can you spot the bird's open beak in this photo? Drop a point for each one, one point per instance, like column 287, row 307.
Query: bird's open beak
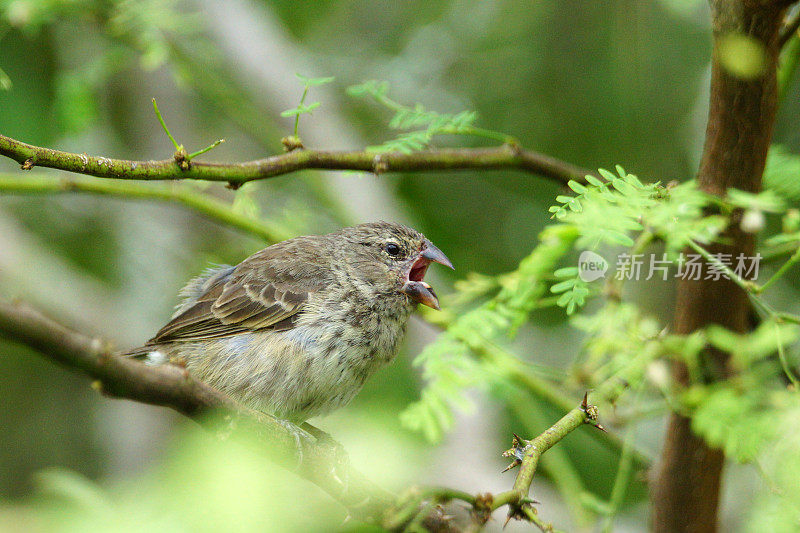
column 432, row 253
column 414, row 286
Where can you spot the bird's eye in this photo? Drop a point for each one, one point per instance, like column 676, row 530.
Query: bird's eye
column 392, row 249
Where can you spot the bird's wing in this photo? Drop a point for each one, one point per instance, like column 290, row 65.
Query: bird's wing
column 267, row 290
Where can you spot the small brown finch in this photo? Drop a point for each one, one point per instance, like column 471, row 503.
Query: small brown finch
column 297, row 328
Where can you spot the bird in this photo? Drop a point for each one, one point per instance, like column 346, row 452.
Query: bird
column 297, row 328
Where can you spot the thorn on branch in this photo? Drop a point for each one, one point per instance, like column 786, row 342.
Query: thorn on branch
column 518, row 448
column 28, row 164
column 517, row 512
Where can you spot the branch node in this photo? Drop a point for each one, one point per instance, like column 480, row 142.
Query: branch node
column 379, row 165
column 482, row 508
column 233, row 185
column 292, row 142
column 514, row 147
column 28, row 164
column 182, row 158
column 592, row 412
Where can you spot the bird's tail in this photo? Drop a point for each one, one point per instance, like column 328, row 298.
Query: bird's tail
column 137, row 353
column 148, row 353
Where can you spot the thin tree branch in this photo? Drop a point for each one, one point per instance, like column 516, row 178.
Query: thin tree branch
column 502, row 157
column 202, row 203
column 526, row 454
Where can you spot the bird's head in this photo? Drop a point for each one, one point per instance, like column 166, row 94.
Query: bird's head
column 394, row 257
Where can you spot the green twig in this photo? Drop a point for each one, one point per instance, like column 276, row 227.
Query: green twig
column 751, row 288
column 416, row 524
column 788, row 317
column 533, row 518
column 211, row 208
column 297, row 116
column 446, row 494
column 206, row 149
column 178, row 147
column 624, row 470
column 781, row 271
column 745, row 285
column 782, row 357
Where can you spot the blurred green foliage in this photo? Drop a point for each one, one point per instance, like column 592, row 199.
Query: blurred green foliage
column 594, row 83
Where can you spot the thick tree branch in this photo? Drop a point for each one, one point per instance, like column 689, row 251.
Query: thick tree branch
column 685, row 492
column 503, row 157
column 315, row 460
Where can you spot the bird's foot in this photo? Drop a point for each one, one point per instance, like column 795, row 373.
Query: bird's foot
column 339, row 455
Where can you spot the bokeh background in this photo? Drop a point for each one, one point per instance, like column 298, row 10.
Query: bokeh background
column 594, row 83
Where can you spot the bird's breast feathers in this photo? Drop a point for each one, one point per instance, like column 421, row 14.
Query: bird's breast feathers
column 314, row 367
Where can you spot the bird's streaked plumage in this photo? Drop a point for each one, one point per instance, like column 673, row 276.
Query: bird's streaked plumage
column 297, row 328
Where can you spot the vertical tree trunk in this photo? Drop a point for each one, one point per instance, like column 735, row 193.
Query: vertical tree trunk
column 685, row 491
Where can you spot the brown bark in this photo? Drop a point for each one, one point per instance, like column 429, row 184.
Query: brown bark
column 685, row 491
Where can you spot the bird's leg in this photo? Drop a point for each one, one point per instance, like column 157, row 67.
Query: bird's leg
column 298, row 432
